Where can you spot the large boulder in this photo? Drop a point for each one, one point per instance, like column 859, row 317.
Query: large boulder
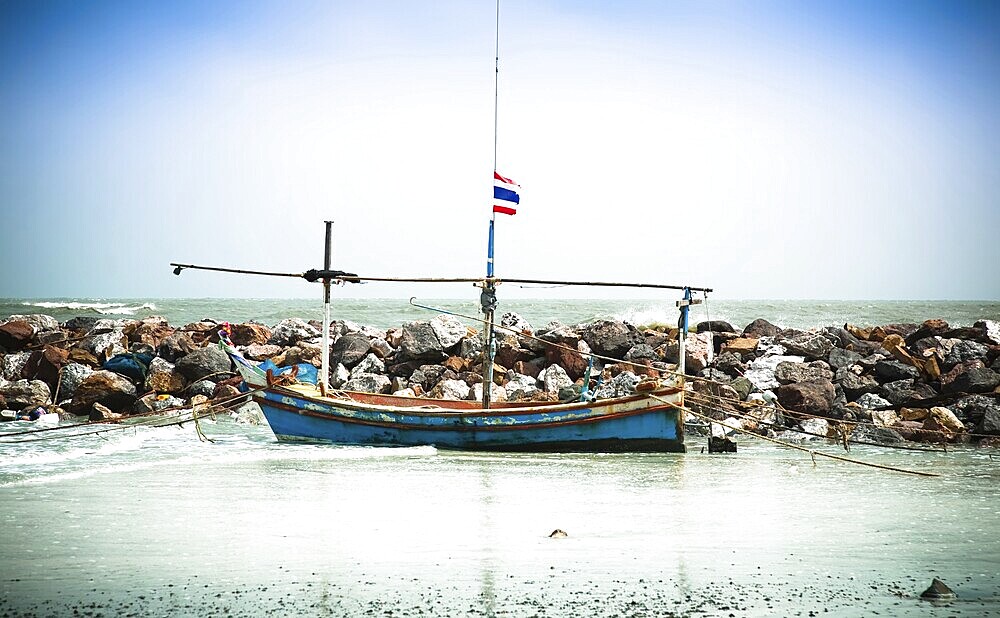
column 498, row 394
column 789, row 373
column 350, row 348
column 452, row 389
column 22, row 394
column 105, row 345
column 715, row 326
column 761, row 328
column 855, row 385
column 15, row 335
column 449, row 330
column 290, row 331
column 163, row 377
column 811, row 346
column 760, row 371
column 573, row 361
column 969, row 377
column 420, row 342
column 104, row 387
column 621, row 385
column 204, row 362
column 150, row 331
column 71, row 375
column 990, row 330
column 12, row 366
column 175, row 345
column 744, row 347
column 890, row 370
column 900, row 392
column 840, row 357
column 697, row 351
column 520, row 386
column 812, row 396
column 368, row 383
column 973, row 408
column 611, row 337
column 963, row 351
column 871, row 401
column 989, row 424
column 250, row 333
column 553, row 378
column 368, row 364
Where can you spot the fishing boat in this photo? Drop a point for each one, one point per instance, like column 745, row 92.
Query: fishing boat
column 648, row 420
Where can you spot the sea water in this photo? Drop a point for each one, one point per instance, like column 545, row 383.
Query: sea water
column 387, row 313
column 156, row 521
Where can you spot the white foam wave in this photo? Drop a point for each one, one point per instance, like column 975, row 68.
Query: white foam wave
column 279, row 452
column 95, row 307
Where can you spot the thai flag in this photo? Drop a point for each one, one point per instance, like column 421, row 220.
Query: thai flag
column 505, row 197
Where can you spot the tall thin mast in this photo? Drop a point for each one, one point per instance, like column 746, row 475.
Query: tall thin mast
column 488, row 298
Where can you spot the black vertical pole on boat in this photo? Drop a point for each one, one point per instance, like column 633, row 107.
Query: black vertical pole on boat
column 324, row 381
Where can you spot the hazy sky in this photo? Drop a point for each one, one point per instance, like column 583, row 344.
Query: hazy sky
column 767, row 149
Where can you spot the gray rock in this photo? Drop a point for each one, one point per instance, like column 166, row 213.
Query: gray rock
column 788, row 373
column 520, row 386
column 989, row 424
column 871, row 401
column 761, row 328
column 381, row 348
column 970, row 377
column 470, row 347
column 715, row 326
column 812, row 346
column 113, row 342
column 855, row 385
column 201, row 387
column 369, row 364
column 453, row 389
column 760, row 371
column 621, row 385
column 72, row 375
column 21, row 394
column 611, row 337
column 290, row 331
column 970, row 410
column 553, row 378
column 38, row 321
column 167, row 402
column 516, row 322
column 891, row 370
column 743, row 387
column 350, row 348
column 730, row 363
column 339, row 376
column 840, row 357
column 13, row 364
column 964, row 350
column 881, row 435
column 420, row 342
column 901, row 392
column 449, row 330
column 368, row 383
column 640, row 352
column 204, row 362
column 498, row 394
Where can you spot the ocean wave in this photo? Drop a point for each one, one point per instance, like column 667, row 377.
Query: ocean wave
column 95, row 307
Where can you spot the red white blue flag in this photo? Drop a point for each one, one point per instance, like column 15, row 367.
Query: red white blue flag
column 505, row 197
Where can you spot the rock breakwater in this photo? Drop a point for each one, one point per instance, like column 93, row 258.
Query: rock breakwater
column 892, row 382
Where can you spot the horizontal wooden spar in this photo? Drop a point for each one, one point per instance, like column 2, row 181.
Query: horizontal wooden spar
column 339, row 275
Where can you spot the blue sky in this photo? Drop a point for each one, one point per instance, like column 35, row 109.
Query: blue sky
column 767, row 149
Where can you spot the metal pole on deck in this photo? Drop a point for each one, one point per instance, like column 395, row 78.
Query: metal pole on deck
column 682, row 328
column 488, row 301
column 324, row 381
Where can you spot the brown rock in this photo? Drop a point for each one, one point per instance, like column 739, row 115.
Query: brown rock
column 79, row 355
column 99, row 412
column 572, row 361
column 942, row 419
column 16, row 334
column 225, row 391
column 531, row 368
column 250, row 334
column 743, row 346
column 864, row 334
column 456, row 363
column 151, row 331
column 810, row 396
column 106, row 388
column 259, row 352
column 914, row 414
column 166, row 382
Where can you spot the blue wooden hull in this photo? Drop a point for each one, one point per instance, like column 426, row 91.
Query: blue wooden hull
column 629, row 424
